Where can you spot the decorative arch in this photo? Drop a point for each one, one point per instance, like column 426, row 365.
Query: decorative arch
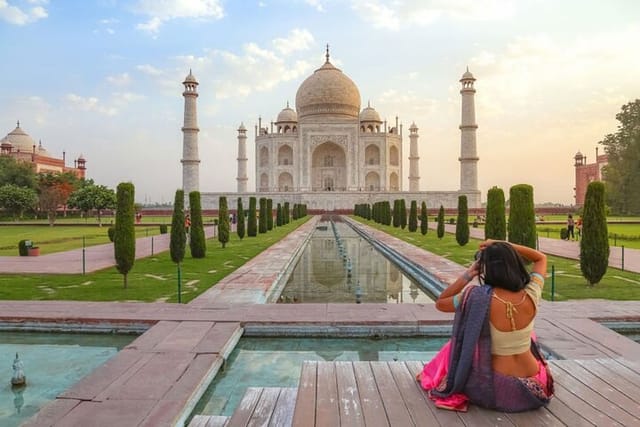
column 372, row 155
column 285, row 155
column 394, row 156
column 372, row 181
column 264, row 156
column 264, row 182
column 285, row 182
column 394, row 182
column 329, row 168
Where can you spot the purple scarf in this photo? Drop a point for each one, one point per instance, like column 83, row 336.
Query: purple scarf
column 470, row 366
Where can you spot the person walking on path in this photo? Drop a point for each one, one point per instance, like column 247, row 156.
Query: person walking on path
column 570, row 226
column 579, row 228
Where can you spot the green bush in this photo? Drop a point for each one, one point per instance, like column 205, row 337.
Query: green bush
column 223, row 221
column 23, row 249
column 594, row 245
column 124, row 242
column 269, row 214
column 424, row 219
column 564, row 234
column 163, row 228
column 522, row 217
column 252, row 226
column 178, row 238
column 440, row 229
column 462, row 226
column 495, row 226
column 262, row 221
column 240, row 220
column 452, row 221
column 111, row 232
column 197, row 241
column 413, row 216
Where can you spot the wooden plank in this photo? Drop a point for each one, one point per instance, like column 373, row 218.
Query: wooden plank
column 480, row 417
column 327, row 409
column 634, row 366
column 304, row 414
column 444, row 416
column 539, row 417
column 217, row 421
column 263, row 410
column 412, row 395
column 394, row 406
column 579, row 407
column 245, row 408
column 567, row 416
column 589, row 388
column 619, row 376
column 199, row 421
column 283, row 414
column 348, row 395
column 370, row 399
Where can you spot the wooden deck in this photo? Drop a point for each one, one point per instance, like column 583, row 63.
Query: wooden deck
column 597, row 392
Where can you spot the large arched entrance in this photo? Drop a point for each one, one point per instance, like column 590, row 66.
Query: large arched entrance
column 328, row 168
column 285, row 182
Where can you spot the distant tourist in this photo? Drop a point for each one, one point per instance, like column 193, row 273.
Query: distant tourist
column 579, row 228
column 492, row 359
column 570, row 226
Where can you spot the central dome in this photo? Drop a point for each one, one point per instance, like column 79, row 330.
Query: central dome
column 328, row 91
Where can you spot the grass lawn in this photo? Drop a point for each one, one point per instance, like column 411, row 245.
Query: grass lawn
column 60, row 237
column 569, row 283
column 151, row 279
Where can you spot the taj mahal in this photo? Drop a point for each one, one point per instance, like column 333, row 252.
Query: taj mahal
column 330, row 154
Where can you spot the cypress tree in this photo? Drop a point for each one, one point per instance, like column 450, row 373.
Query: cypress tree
column 269, row 214
column 240, row 221
column 594, row 245
column 252, row 226
column 462, row 224
column 424, row 219
column 387, row 213
column 495, row 226
column 286, row 217
column 223, row 222
column 124, row 242
column 522, row 217
column 413, row 216
column 440, row 229
column 279, row 215
column 262, row 222
column 396, row 213
column 178, row 242
column 197, row 242
column 403, row 214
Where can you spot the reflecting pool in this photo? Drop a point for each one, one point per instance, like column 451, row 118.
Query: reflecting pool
column 339, row 266
column 277, row 362
column 53, row 362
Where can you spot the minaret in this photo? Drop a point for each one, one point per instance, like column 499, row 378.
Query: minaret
column 242, row 159
column 190, row 161
column 468, row 153
column 414, row 173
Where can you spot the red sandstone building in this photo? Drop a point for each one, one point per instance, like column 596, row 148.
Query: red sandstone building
column 587, row 172
column 19, row 145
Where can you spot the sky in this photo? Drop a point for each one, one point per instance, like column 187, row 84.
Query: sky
column 103, row 78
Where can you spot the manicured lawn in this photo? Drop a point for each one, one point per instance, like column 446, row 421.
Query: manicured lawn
column 60, row 237
column 569, row 283
column 151, row 279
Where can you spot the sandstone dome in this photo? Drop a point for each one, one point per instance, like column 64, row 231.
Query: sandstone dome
column 328, row 91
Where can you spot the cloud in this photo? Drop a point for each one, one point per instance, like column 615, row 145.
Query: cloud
column 296, row 40
column 118, row 101
column 17, row 16
column 316, row 4
column 119, row 79
column 425, row 12
column 161, row 11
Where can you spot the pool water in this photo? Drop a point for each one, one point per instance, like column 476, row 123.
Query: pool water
column 277, row 362
column 53, row 362
column 339, row 266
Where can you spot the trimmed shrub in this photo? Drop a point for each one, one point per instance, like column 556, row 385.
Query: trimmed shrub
column 495, row 226
column 262, row 222
column 522, row 217
column 164, row 229
column 240, row 226
column 197, row 241
column 452, row 221
column 286, row 217
column 424, row 219
column 124, row 242
column 223, row 221
column 403, row 214
column 564, row 234
column 594, row 245
column 23, row 249
column 279, row 215
column 396, row 213
column 111, row 232
column 252, row 226
column 462, row 224
column 413, row 216
column 178, row 238
column 269, row 214
column 440, row 229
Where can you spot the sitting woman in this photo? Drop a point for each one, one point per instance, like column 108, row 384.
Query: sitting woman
column 492, row 359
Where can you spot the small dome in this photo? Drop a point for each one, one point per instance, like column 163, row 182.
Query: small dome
column 467, row 75
column 41, row 151
column 287, row 115
column 413, row 126
column 19, row 139
column 328, row 92
column 369, row 114
column 190, row 78
column 81, row 158
column 242, row 128
column 578, row 155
